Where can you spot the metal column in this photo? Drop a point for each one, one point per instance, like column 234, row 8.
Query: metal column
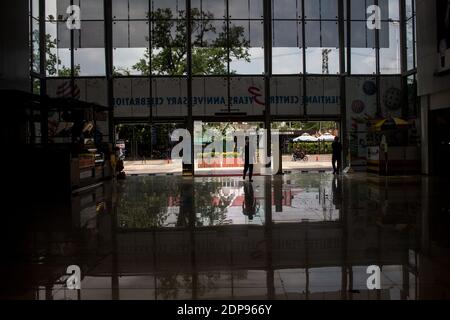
column 342, row 82
column 107, row 5
column 188, row 169
column 43, row 71
column 268, row 72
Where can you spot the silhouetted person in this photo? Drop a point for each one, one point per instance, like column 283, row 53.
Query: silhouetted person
column 337, row 155
column 248, row 160
column 249, row 204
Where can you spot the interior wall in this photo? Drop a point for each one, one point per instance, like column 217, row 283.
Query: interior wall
column 427, row 51
column 14, row 45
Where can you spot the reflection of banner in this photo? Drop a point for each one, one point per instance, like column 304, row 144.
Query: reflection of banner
column 89, row 90
column 443, row 34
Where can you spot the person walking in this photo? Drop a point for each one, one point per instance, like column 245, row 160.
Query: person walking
column 248, row 160
column 337, row 155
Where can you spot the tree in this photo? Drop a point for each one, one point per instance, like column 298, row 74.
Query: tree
column 53, row 65
column 210, row 45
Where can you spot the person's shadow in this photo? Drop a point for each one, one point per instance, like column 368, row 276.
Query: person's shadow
column 249, row 204
column 336, row 188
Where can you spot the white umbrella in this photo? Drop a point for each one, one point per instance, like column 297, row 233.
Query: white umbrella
column 326, row 137
column 305, row 138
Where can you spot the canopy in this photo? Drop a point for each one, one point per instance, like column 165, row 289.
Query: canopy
column 390, row 123
column 305, row 138
column 326, row 137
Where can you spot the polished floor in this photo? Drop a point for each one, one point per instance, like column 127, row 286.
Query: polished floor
column 299, row 236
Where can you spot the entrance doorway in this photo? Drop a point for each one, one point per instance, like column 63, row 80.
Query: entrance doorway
column 229, row 160
column 145, row 148
column 306, row 146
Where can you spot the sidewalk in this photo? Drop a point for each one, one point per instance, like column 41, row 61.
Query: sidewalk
column 152, row 167
column 314, row 163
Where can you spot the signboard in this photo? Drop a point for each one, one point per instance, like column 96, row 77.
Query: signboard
column 362, row 106
column 287, row 93
column 323, row 95
column 210, row 96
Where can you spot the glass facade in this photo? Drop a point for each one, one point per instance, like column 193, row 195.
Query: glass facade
column 219, row 57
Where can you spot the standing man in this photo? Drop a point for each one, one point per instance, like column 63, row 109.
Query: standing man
column 337, row 155
column 248, row 160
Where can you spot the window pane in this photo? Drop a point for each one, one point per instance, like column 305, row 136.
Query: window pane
column 360, row 36
column 249, row 33
column 321, row 9
column 209, row 33
column 120, row 9
column 214, row 90
column 169, row 47
column 287, row 99
column 363, row 61
column 286, row 9
column 286, row 33
column 409, row 8
column 312, row 34
column 330, row 34
column 390, row 9
column 92, row 34
column 410, row 44
column 246, row 42
column 359, row 9
column 130, row 61
column 132, row 34
column 287, row 60
column 62, row 34
column 323, row 281
column 175, row 6
column 35, row 45
column 322, row 60
column 35, row 9
column 312, row 9
column 90, row 61
column 245, row 9
column 90, row 9
column 169, row 87
column 244, row 87
column 390, row 51
column 215, row 8
column 329, row 9
column 254, row 64
column 138, row 9
column 58, row 54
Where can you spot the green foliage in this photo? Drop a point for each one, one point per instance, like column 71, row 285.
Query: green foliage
column 311, row 147
column 306, row 126
column 53, row 65
column 169, row 50
column 213, row 154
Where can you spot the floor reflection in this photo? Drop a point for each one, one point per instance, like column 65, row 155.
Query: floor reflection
column 300, row 236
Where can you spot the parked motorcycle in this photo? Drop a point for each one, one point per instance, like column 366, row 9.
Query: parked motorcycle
column 299, row 155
